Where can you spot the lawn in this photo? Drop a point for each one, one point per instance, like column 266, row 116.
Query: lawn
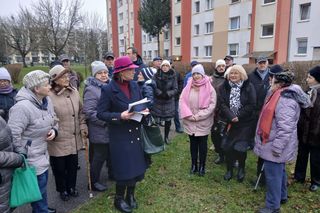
column 168, row 187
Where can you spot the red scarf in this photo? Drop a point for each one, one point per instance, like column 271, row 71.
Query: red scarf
column 267, row 114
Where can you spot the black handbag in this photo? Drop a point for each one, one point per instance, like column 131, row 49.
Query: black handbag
column 226, row 144
column 152, row 139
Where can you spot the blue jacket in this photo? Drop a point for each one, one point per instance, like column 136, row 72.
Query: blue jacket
column 6, row 102
column 127, row 155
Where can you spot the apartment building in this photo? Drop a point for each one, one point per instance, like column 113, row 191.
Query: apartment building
column 304, row 42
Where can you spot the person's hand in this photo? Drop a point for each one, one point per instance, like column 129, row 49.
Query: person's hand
column 275, row 154
column 84, row 133
column 51, row 135
column 126, row 115
column 234, row 120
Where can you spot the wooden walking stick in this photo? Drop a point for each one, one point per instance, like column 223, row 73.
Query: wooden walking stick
column 86, row 144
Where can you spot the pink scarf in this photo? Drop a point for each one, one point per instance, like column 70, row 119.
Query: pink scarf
column 204, row 95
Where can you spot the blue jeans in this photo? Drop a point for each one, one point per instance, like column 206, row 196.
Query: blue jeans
column 176, row 116
column 41, row 206
column 276, row 182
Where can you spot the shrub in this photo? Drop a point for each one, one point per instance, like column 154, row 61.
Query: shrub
column 14, row 70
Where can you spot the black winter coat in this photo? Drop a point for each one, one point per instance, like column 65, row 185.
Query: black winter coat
column 165, row 90
column 309, row 123
column 6, row 102
column 239, row 130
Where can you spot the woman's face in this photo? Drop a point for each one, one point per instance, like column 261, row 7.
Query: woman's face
column 140, row 77
column 274, row 85
column 43, row 90
column 102, row 76
column 63, row 80
column 127, row 75
column 234, row 76
column 4, row 83
column 311, row 80
column 197, row 76
column 165, row 68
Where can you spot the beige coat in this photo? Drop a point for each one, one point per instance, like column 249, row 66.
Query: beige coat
column 68, row 108
column 203, row 122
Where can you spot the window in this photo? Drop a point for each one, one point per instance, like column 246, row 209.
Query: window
column 249, row 20
column 120, row 29
column 302, row 45
column 156, row 53
column 149, row 54
column 178, row 19
column 209, row 27
column 234, row 23
column 208, row 50
column 131, row 14
column 305, row 11
column 166, row 52
column 121, row 42
column 268, row 1
column 209, row 4
column 120, row 16
column 248, row 47
column 196, row 51
column 144, row 38
column 120, row 3
column 145, row 53
column 233, row 49
column 178, row 1
column 267, row 30
column 234, row 1
column 197, row 6
column 150, row 38
column 178, row 41
column 196, row 29
column 166, row 35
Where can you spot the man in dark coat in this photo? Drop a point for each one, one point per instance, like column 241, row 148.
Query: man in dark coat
column 108, row 60
column 132, row 52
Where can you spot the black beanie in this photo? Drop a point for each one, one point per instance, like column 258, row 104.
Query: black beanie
column 275, row 69
column 315, row 72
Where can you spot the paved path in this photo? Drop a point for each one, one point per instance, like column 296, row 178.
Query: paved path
column 54, row 200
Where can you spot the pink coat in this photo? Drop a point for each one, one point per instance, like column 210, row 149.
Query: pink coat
column 201, row 121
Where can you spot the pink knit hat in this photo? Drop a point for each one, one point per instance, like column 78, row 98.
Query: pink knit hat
column 123, row 63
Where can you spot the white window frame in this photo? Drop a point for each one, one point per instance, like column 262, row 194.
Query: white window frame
column 196, row 29
column 208, row 51
column 177, row 18
column 301, row 6
column 196, row 51
column 176, row 41
column 268, row 3
column 298, row 47
column 166, row 35
column 120, row 16
column 166, row 52
column 236, row 45
column 267, row 36
column 238, row 23
column 209, row 4
column 209, row 27
column 234, row 1
column 121, row 29
column 249, row 20
column 195, row 6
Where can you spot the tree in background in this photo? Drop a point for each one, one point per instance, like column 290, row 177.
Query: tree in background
column 153, row 15
column 57, row 21
column 20, row 33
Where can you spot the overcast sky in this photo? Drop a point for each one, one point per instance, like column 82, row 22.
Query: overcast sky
column 9, row 7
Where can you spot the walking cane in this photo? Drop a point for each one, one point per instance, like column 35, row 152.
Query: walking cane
column 86, row 143
column 259, row 177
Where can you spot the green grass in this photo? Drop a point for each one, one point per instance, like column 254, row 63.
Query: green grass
column 168, row 187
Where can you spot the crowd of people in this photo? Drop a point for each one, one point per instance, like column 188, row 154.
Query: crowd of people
column 48, row 122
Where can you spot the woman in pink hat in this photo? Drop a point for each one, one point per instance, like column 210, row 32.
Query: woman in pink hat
column 127, row 156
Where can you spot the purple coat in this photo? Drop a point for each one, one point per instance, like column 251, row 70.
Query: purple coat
column 283, row 135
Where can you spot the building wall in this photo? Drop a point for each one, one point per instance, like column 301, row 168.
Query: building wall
column 309, row 29
column 176, row 28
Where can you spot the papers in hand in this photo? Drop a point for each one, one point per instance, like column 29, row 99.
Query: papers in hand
column 137, row 116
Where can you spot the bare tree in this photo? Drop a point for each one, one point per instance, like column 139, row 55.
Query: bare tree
column 57, row 21
column 20, row 33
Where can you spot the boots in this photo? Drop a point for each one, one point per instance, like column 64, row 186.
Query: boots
column 229, row 173
column 242, row 163
column 119, row 201
column 167, row 126
column 241, row 174
column 130, row 197
column 220, row 159
column 194, row 169
column 202, row 170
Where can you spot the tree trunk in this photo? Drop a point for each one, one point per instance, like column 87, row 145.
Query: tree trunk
column 24, row 60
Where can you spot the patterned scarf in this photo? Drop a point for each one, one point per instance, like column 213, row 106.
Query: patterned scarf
column 235, row 103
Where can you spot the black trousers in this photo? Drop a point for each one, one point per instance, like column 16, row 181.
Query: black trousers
column 198, row 147
column 233, row 155
column 216, row 140
column 65, row 171
column 100, row 154
column 302, row 162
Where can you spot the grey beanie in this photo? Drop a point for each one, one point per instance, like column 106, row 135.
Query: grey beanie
column 35, row 78
column 4, row 74
column 97, row 66
column 198, row 69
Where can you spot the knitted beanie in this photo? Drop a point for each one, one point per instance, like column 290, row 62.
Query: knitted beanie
column 35, row 78
column 165, row 62
column 198, row 69
column 220, row 62
column 315, row 72
column 97, row 66
column 4, row 74
column 147, row 73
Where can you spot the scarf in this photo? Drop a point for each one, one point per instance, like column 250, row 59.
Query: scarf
column 6, row 90
column 312, row 92
column 204, row 95
column 267, row 114
column 234, row 99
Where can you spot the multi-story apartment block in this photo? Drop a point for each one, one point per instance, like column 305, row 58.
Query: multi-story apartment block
column 304, row 42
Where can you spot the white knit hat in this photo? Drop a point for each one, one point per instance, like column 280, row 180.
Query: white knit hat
column 35, row 78
column 198, row 69
column 4, row 74
column 220, row 62
column 97, row 66
column 165, row 62
column 57, row 71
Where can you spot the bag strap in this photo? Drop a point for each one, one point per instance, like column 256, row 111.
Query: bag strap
column 26, row 164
